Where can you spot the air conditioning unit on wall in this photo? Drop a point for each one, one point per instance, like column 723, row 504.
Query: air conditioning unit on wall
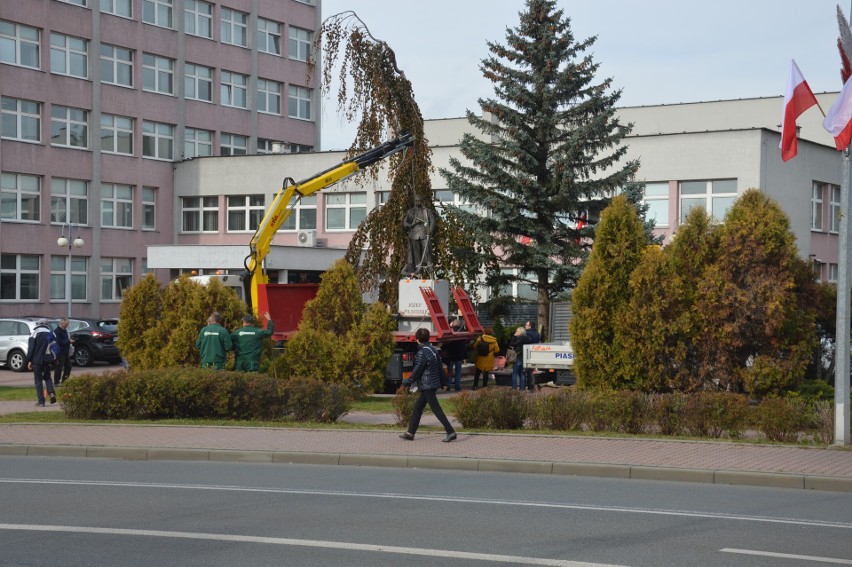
column 307, row 238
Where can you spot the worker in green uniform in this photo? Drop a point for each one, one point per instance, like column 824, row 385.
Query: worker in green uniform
column 214, row 342
column 248, row 341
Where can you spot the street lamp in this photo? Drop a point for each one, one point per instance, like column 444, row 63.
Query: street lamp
column 77, row 243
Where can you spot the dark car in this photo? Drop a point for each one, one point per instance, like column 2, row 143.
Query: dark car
column 94, row 340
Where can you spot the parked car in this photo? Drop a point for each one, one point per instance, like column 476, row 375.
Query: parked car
column 94, row 340
column 14, row 337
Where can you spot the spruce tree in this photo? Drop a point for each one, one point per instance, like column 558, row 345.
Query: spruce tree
column 549, row 154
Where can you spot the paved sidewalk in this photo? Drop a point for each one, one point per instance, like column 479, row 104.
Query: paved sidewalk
column 651, row 459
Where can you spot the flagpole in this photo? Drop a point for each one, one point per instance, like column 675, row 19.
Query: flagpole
column 844, row 290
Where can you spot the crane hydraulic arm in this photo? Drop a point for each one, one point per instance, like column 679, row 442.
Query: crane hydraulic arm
column 286, row 199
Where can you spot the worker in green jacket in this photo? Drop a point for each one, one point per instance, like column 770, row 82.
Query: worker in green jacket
column 214, row 342
column 248, row 342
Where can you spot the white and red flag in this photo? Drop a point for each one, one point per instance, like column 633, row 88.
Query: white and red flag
column 838, row 121
column 797, row 99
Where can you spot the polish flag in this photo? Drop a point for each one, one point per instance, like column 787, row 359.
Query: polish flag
column 797, row 99
column 838, row 122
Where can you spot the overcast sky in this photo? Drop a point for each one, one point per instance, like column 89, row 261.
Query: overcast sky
column 656, row 51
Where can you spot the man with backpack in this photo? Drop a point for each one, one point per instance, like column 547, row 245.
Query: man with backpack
column 63, row 360
column 39, row 358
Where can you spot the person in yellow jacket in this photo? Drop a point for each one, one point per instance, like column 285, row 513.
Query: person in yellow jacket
column 485, row 348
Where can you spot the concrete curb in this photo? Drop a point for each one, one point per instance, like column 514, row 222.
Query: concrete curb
column 741, row 478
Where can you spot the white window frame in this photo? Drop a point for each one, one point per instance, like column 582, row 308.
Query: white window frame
column 69, row 195
column 244, row 212
column 269, row 36
column 708, row 197
column 120, row 8
column 817, row 196
column 269, row 96
column 834, row 208
column 149, row 208
column 116, row 276
column 158, row 13
column 116, row 205
column 117, row 134
column 23, row 116
column 75, row 2
column 233, row 145
column 119, row 62
column 299, row 102
column 69, row 127
column 198, row 18
column 197, row 143
column 158, row 74
column 233, row 27
column 196, row 78
column 203, row 212
column 69, row 55
column 304, row 215
column 518, row 289
column 267, row 147
column 352, row 205
column 20, row 45
column 158, row 140
column 233, row 89
column 447, row 197
column 299, row 43
column 79, row 278
column 23, row 193
column 656, row 195
column 25, row 271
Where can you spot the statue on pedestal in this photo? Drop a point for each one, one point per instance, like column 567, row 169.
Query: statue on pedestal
column 419, row 224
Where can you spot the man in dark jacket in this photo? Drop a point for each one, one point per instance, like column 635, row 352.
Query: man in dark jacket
column 427, row 374
column 456, row 355
column 63, row 361
column 36, row 347
column 535, row 337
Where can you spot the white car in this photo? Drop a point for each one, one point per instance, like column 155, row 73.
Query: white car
column 14, row 337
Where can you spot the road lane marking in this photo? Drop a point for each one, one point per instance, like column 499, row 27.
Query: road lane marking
column 814, row 558
column 447, row 499
column 337, row 545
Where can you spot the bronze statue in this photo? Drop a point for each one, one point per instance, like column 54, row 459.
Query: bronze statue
column 419, row 223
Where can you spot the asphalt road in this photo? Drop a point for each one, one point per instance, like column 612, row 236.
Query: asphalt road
column 82, row 512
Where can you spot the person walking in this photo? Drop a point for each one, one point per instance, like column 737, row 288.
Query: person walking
column 214, row 342
column 517, row 343
column 248, row 342
column 535, row 338
column 427, row 372
column 36, row 361
column 485, row 348
column 63, row 360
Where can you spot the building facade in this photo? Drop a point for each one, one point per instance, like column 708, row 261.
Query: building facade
column 100, row 98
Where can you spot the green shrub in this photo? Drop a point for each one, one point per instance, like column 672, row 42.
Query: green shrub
column 821, row 417
column 471, row 409
column 712, row 414
column 496, row 408
column 813, row 390
column 781, row 419
column 314, row 400
column 403, row 405
column 668, row 410
column 564, row 410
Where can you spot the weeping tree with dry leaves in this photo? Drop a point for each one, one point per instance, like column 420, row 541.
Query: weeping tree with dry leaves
column 375, row 92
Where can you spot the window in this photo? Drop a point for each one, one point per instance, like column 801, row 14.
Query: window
column 122, row 8
column 245, row 212
column 657, row 199
column 233, row 27
column 76, row 2
column 447, row 197
column 20, row 197
column 832, row 273
column 268, row 36
column 19, row 45
column 234, row 90
column 69, row 195
column 304, row 215
column 158, row 140
column 835, row 208
column 21, row 119
column 198, row 18
column 117, row 134
column 816, row 207
column 198, row 82
column 345, row 211
column 518, row 287
column 116, row 277
column 197, row 143
column 116, row 205
column 299, row 44
column 158, row 74
column 59, row 273
column 233, row 145
column 149, row 208
column 69, row 55
column 382, row 198
column 157, row 12
column 116, row 65
column 299, row 103
column 715, row 196
column 271, row 147
column 268, row 96
column 19, row 275
column 69, row 127
column 200, row 214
